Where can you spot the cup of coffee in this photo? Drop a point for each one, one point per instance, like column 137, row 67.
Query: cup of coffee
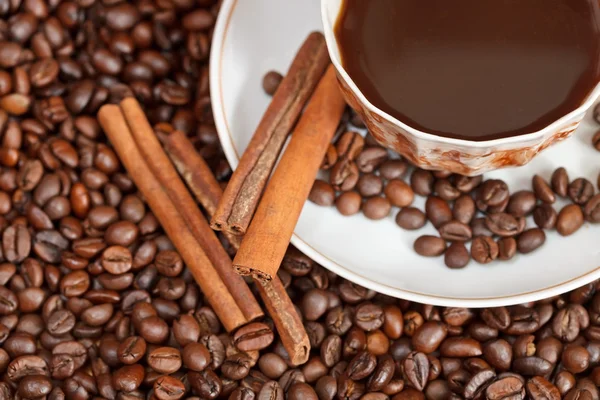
column 467, row 86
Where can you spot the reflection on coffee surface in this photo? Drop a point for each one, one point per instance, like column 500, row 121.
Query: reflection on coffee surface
column 472, row 69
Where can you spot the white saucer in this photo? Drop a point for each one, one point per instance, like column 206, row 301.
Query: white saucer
column 253, row 37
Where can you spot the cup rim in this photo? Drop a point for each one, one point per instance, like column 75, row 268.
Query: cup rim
column 333, row 49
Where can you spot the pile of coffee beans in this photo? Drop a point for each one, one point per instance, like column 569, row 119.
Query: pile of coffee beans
column 96, row 304
column 365, row 177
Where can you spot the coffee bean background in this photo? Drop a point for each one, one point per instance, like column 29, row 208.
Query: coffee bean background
column 474, row 216
column 96, row 304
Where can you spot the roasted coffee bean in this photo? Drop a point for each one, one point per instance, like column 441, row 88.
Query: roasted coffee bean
column 457, row 256
column 254, row 336
column 502, row 224
column 131, row 350
column 592, row 209
column 521, row 203
column 344, row 175
column 479, row 228
column 16, row 243
column 369, row 316
column 399, row 193
column 575, row 359
column 322, row 194
column 416, row 370
column 539, row 388
column 531, row 366
column 128, row 378
column 560, row 182
column 165, row 360
column 348, row 203
column 376, row 208
column 370, row 158
column 507, row 386
column 530, row 240
column 569, row 220
column 438, row 211
column 464, row 209
column 580, row 191
column 349, row 145
column 455, row 231
column 545, row 216
column 361, row 366
column 428, row 337
column 421, row 182
column 478, row 383
column 271, row 82
column 460, row 347
column 507, row 248
column 492, row 192
column 484, row 250
column 430, row 246
column 542, row 190
column 393, row 169
column 314, row 304
column 411, row 218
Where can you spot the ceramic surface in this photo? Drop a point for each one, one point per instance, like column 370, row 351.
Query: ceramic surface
column 253, row 37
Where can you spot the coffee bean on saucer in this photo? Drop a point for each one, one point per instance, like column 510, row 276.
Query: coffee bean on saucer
column 369, row 185
column 344, row 175
column 597, row 113
column 421, row 182
column 464, row 209
column 530, row 240
column 399, row 193
column 545, row 216
column 502, row 224
column 521, row 203
column 570, row 219
column 542, row 190
column 507, row 248
column 455, row 231
column 271, row 82
column 376, row 208
column 592, row 209
column 438, row 211
column 430, row 246
column 393, row 169
column 411, row 218
column 467, row 184
column 492, row 192
column 596, row 141
column 371, row 158
column 479, row 228
column 457, row 256
column 445, row 190
column 330, row 158
column 560, row 182
column 580, row 191
column 322, row 193
column 484, row 250
column 349, row 145
column 348, row 203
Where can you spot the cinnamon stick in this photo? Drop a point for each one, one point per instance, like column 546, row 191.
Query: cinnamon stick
column 237, row 206
column 197, row 175
column 166, row 174
column 268, row 236
column 207, row 190
column 289, row 325
column 113, row 122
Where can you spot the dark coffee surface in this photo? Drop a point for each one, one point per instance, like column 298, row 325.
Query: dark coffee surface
column 472, row 69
